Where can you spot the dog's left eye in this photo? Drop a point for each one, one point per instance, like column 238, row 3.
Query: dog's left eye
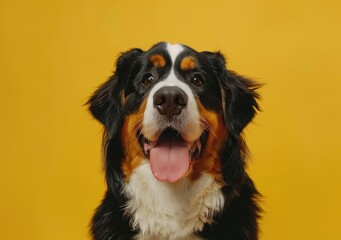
column 197, row 80
column 148, row 79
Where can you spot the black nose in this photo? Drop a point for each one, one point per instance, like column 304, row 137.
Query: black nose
column 170, row 101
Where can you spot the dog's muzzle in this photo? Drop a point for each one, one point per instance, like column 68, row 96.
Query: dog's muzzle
column 172, row 136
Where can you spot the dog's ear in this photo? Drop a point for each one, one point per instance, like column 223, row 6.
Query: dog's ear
column 239, row 95
column 106, row 102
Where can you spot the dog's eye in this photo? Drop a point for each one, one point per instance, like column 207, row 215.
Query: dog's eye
column 147, row 79
column 197, row 80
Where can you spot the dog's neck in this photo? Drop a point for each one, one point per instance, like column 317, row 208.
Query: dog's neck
column 161, row 210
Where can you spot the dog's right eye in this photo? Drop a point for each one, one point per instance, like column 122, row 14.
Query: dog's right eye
column 147, row 80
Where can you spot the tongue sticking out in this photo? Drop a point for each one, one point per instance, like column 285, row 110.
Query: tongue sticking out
column 169, row 159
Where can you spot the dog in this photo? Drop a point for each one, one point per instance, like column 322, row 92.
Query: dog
column 174, row 153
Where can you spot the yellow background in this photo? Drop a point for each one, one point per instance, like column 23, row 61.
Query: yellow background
column 55, row 53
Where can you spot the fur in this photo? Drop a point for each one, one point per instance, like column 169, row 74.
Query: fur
column 215, row 198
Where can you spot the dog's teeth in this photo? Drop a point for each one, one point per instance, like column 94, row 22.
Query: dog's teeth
column 155, row 174
column 198, row 144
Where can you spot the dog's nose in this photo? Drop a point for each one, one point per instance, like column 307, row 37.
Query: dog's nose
column 170, row 101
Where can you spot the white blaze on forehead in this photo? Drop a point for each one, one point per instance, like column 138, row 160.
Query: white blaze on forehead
column 174, row 50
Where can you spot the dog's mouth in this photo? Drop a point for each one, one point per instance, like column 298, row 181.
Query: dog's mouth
column 170, row 155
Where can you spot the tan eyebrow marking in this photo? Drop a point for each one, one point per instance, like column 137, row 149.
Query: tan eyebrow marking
column 157, row 60
column 188, row 63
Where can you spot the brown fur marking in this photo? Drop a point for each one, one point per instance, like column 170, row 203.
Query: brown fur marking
column 132, row 148
column 157, row 60
column 188, row 63
column 209, row 160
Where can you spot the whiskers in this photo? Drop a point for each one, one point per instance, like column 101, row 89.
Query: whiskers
column 207, row 126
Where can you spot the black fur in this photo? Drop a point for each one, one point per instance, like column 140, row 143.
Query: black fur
column 238, row 104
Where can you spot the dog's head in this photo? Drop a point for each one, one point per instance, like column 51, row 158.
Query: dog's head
column 173, row 108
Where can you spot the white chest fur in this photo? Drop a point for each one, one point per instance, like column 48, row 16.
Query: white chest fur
column 171, row 211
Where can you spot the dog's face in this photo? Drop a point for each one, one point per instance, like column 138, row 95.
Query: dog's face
column 174, row 108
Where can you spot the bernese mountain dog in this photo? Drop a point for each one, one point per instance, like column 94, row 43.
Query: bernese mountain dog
column 174, row 153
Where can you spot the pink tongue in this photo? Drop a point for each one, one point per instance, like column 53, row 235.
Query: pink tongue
column 169, row 159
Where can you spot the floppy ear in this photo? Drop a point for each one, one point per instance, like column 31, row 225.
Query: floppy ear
column 106, row 102
column 239, row 95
